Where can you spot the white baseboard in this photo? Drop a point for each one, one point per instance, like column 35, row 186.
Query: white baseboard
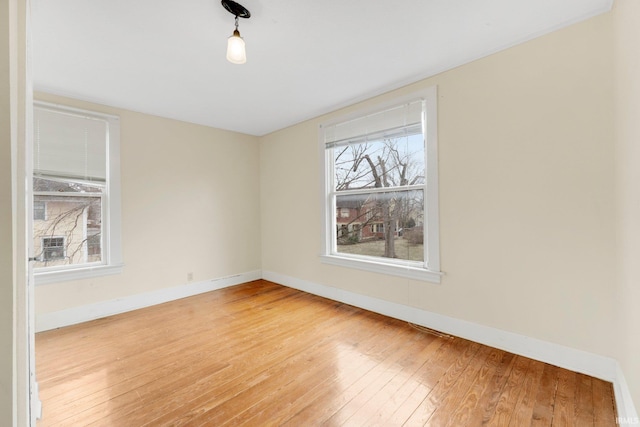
column 627, row 414
column 72, row 316
column 584, row 362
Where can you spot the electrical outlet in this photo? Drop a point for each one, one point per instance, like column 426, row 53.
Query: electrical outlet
column 189, row 277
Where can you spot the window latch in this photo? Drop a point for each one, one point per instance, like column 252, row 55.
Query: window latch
column 33, row 258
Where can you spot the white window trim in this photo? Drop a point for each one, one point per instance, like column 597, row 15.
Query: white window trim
column 112, row 252
column 429, row 270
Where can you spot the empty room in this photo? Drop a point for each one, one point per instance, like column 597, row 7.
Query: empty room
column 320, row 213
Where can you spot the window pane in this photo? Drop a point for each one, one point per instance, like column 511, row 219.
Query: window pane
column 391, row 162
column 71, row 233
column 39, row 211
column 389, row 224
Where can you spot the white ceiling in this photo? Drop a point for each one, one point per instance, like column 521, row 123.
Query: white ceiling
column 305, row 57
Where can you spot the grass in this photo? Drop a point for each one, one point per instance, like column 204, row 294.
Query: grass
column 404, row 249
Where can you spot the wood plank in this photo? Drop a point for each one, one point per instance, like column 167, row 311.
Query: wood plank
column 354, row 412
column 425, row 379
column 542, row 415
column 564, row 406
column 452, row 402
column 487, row 383
column 130, row 366
column 325, row 405
column 460, row 370
column 321, row 377
column 583, row 402
column 194, row 386
column 98, row 334
column 264, row 354
column 274, row 378
column 603, row 401
column 509, row 394
column 231, row 392
column 382, row 404
column 523, row 412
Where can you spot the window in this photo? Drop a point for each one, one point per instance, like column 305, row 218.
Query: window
column 94, row 245
column 39, row 211
column 377, row 228
column 52, row 248
column 382, row 163
column 76, row 190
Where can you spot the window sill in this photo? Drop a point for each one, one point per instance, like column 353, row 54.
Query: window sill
column 410, row 272
column 46, row 277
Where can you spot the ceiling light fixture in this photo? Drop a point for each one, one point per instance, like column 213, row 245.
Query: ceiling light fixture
column 236, row 52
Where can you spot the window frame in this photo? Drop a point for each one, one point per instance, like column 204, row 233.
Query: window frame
column 429, row 269
column 111, row 207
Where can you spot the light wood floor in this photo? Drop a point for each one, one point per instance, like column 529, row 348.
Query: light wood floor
column 263, row 354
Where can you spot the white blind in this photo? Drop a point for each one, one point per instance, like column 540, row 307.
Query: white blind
column 69, row 145
column 401, row 120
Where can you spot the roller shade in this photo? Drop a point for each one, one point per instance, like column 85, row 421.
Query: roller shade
column 402, row 120
column 71, row 146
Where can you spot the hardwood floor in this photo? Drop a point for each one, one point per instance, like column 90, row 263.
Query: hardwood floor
column 263, row 354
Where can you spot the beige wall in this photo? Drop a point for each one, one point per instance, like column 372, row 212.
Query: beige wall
column 14, row 357
column 526, row 202
column 627, row 115
column 7, row 398
column 190, row 204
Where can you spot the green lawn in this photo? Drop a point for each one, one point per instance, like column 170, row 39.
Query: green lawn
column 404, row 249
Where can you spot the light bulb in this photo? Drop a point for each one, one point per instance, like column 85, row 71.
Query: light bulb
column 236, row 53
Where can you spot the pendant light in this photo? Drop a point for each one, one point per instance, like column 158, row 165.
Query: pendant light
column 236, row 53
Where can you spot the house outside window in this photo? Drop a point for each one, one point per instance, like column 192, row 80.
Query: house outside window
column 381, row 165
column 76, row 202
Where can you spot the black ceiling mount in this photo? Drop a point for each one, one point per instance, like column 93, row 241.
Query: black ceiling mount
column 236, row 9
